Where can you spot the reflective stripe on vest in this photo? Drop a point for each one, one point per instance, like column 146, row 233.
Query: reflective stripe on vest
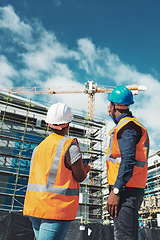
column 118, row 160
column 49, row 187
column 112, row 159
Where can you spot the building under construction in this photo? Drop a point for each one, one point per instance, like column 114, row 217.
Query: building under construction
column 150, row 208
column 22, row 128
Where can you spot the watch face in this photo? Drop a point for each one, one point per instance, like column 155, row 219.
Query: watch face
column 115, row 190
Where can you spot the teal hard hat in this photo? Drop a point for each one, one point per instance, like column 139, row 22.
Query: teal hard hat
column 121, row 95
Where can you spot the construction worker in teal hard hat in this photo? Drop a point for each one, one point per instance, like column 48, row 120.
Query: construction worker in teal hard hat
column 141, row 232
column 126, row 156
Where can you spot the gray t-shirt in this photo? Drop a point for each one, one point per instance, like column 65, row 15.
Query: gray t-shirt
column 73, row 154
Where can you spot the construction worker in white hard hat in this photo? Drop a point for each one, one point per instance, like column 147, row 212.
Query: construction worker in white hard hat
column 127, row 165
column 52, row 195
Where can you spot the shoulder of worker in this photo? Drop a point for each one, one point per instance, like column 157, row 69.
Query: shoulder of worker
column 130, row 125
column 73, row 154
column 74, row 145
column 73, row 141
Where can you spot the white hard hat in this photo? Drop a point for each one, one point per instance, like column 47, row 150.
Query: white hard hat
column 59, row 113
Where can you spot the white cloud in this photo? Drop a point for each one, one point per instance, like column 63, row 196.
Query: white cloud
column 12, row 22
column 47, row 62
column 46, row 52
column 87, row 48
column 6, row 73
column 62, row 81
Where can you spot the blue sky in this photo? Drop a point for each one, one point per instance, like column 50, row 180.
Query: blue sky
column 68, row 42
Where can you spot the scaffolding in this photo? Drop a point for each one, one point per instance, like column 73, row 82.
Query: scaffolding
column 150, row 207
column 22, row 128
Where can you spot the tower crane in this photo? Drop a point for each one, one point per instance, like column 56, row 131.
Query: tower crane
column 90, row 88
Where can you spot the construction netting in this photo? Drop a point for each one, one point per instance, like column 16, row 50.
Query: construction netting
column 15, row 226
column 90, row 231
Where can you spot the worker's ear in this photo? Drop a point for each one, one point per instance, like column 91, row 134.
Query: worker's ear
column 109, row 110
column 113, row 106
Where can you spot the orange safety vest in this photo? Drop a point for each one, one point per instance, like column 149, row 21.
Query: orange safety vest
column 52, row 191
column 139, row 176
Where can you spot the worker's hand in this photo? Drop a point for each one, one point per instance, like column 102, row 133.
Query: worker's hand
column 112, row 204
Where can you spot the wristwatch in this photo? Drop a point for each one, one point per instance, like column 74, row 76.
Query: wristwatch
column 116, row 191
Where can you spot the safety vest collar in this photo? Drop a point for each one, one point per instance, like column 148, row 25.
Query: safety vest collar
column 127, row 119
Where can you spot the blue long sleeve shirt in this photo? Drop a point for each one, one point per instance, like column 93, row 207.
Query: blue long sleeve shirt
column 128, row 137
